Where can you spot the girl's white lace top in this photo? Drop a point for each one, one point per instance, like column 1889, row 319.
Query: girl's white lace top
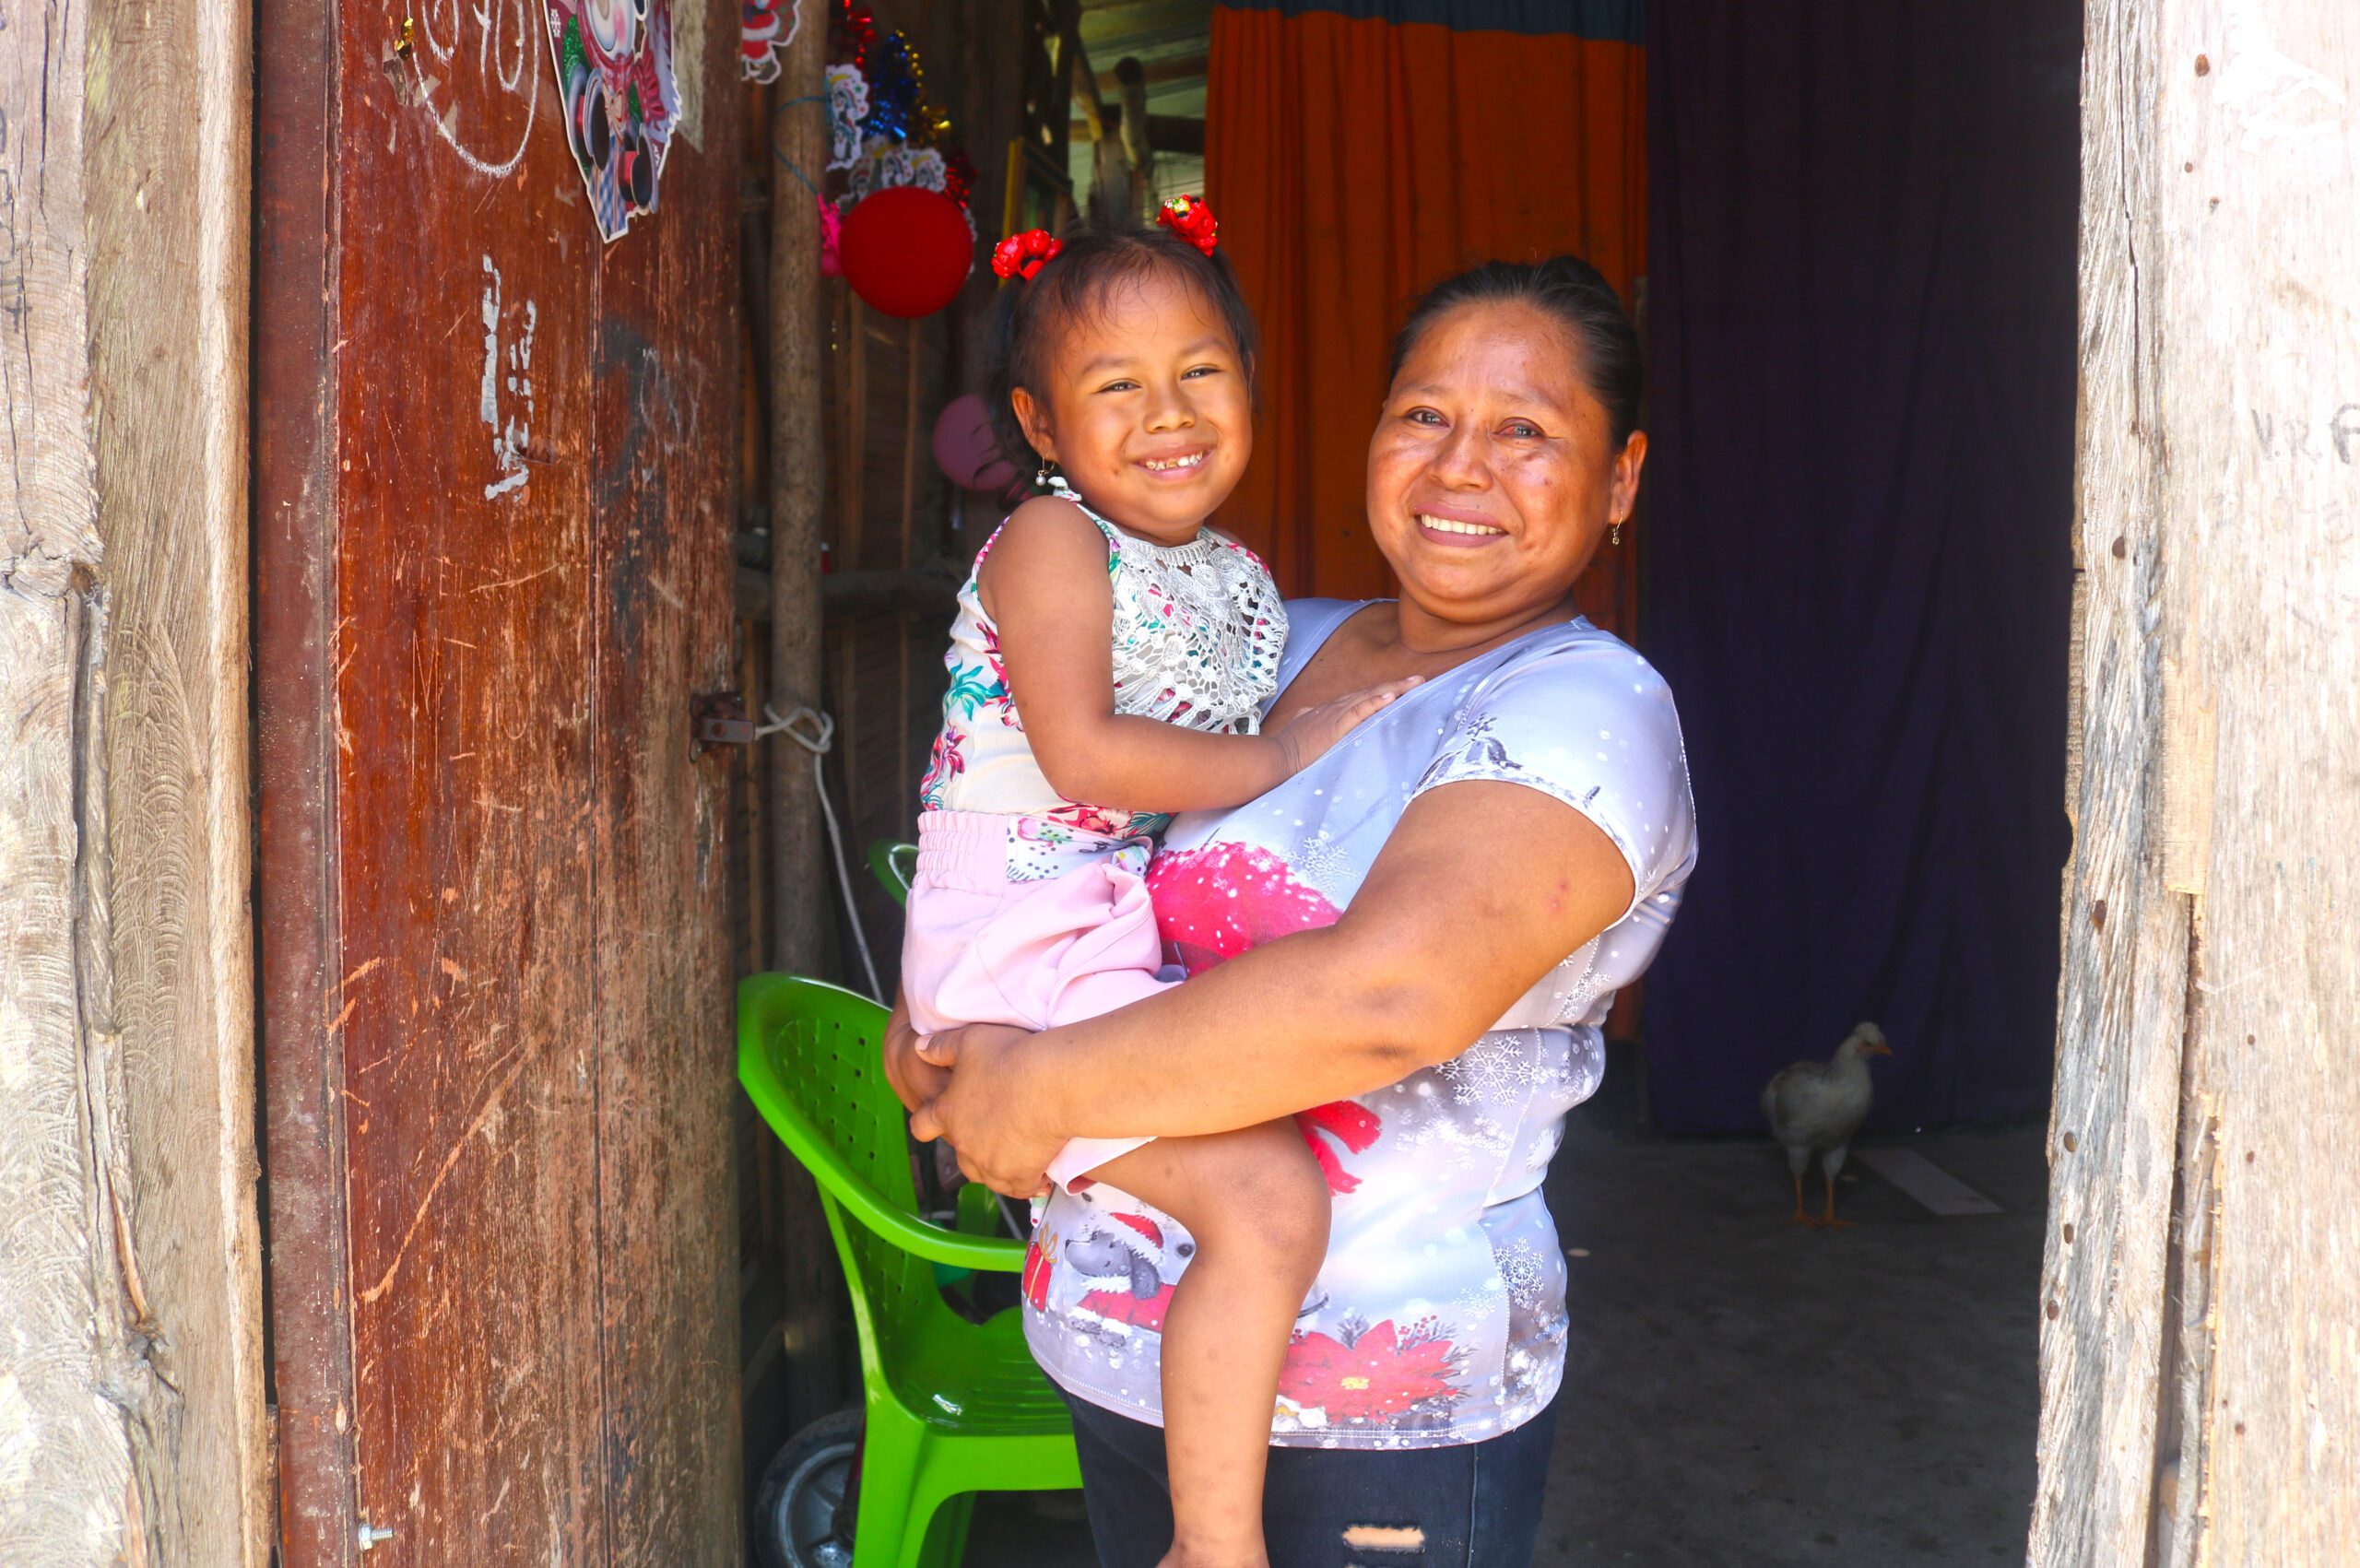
column 1197, row 631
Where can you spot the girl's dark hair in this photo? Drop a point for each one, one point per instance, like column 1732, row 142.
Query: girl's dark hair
column 1027, row 316
column 1571, row 292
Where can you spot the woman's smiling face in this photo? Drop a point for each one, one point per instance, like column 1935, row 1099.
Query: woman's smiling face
column 1493, row 474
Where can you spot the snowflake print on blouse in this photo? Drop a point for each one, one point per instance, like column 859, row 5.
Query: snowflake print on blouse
column 1460, row 1146
column 1497, row 1068
column 1520, row 1271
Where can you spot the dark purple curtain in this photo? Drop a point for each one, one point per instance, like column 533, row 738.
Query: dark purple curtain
column 1861, row 324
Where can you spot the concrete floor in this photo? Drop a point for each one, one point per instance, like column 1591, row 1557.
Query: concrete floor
column 1740, row 1394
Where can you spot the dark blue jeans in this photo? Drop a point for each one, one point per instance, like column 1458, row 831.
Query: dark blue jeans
column 1469, row 1506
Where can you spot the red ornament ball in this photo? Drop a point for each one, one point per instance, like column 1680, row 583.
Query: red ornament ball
column 907, row 250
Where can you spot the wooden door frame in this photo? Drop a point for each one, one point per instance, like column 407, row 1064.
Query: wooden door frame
column 294, row 566
column 2195, row 1405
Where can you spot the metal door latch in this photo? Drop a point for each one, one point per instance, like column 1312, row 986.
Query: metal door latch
column 718, row 718
column 372, row 1534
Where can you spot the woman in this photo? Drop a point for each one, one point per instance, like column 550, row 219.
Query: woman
column 1350, row 934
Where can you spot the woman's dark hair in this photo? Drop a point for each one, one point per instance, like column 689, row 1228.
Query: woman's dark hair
column 1027, row 316
column 1571, row 292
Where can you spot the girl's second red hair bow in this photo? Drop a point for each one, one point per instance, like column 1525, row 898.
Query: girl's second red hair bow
column 1190, row 218
column 1023, row 255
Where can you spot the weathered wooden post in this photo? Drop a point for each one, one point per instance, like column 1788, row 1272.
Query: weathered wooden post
column 798, row 488
column 798, row 497
column 132, row 1426
column 2200, row 1301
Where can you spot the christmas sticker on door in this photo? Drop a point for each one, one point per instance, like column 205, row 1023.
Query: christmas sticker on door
column 614, row 78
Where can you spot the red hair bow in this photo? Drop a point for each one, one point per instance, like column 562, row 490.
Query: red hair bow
column 1189, row 217
column 1023, row 255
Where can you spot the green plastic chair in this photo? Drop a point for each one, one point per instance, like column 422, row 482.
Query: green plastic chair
column 952, row 1407
column 896, row 866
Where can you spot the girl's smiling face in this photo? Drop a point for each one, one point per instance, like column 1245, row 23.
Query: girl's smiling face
column 1147, row 406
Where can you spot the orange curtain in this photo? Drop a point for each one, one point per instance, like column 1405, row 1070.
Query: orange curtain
column 1355, row 157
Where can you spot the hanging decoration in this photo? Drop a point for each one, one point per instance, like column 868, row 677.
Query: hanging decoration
column 957, row 174
column 847, row 106
column 761, row 38
column 907, row 250
column 889, row 137
column 966, row 448
column 856, row 29
column 613, row 60
column 890, row 67
column 831, row 239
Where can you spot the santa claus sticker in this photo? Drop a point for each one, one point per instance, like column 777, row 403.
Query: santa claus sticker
column 614, row 82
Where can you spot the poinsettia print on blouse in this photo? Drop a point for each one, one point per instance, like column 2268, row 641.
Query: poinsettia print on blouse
column 1439, row 1315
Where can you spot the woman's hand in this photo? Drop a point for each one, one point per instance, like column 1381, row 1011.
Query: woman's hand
column 914, row 1079
column 984, row 1108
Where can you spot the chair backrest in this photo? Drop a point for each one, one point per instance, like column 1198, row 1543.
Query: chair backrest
column 816, row 1048
column 895, row 867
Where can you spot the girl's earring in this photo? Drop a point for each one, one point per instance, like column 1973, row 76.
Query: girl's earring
column 1056, row 482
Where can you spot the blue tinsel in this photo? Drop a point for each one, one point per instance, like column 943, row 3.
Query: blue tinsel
column 892, row 88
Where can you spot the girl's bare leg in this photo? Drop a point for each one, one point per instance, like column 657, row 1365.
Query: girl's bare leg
column 1258, row 1206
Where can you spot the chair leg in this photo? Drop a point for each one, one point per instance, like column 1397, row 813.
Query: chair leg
column 934, row 1528
column 891, row 1454
column 946, row 1539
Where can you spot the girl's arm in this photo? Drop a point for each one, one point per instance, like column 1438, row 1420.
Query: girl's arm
column 1046, row 585
column 1483, row 888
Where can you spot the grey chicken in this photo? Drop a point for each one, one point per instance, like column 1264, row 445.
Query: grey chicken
column 1815, row 1107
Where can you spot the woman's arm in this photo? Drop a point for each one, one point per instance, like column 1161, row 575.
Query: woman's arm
column 1482, row 889
column 1046, row 585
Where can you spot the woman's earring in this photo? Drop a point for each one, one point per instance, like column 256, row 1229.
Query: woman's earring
column 1614, row 533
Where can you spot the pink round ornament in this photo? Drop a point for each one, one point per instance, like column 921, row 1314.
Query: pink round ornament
column 965, row 449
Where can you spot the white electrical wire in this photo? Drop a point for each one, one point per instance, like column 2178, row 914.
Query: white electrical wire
column 819, row 739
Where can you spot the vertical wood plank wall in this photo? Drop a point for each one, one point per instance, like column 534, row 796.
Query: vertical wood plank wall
column 888, row 512
column 2200, row 1336
column 131, row 1336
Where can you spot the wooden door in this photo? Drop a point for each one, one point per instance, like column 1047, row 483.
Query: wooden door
column 495, row 482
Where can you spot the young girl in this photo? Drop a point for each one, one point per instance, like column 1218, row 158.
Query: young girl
column 1108, row 666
